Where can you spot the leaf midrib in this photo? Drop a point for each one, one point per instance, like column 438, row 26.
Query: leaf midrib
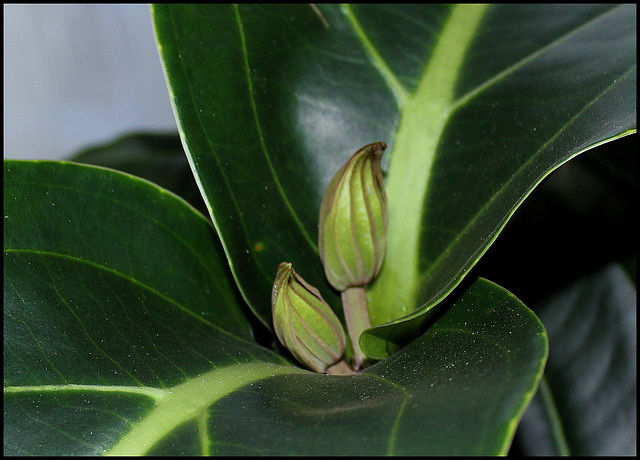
column 402, row 253
column 446, row 289
column 190, row 400
column 393, row 294
column 172, row 406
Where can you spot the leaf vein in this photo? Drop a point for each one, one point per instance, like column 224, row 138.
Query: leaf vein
column 263, row 146
column 521, row 63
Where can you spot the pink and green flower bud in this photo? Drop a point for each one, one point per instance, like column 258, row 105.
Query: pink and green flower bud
column 353, row 220
column 304, row 322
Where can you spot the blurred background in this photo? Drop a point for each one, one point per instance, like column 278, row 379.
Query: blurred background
column 79, row 75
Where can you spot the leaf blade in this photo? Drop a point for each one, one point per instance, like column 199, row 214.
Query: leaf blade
column 96, row 361
column 106, row 332
column 69, row 199
column 379, row 411
column 308, row 85
column 233, row 143
column 452, row 242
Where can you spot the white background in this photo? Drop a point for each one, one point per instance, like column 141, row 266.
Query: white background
column 78, row 75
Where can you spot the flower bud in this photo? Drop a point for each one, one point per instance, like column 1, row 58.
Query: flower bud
column 353, row 220
column 304, row 322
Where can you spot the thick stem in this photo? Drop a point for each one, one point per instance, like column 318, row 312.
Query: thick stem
column 354, row 304
column 340, row 368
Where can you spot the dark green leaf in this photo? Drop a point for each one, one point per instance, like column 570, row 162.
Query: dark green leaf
column 121, row 336
column 478, row 104
column 115, row 291
column 92, row 219
column 444, row 394
column 587, row 403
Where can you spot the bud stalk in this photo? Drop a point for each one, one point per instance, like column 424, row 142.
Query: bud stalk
column 354, row 303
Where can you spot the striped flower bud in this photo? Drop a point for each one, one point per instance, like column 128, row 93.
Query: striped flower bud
column 353, row 220
column 304, row 322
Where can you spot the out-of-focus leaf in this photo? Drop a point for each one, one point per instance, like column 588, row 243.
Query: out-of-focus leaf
column 578, row 220
column 159, row 158
column 587, row 404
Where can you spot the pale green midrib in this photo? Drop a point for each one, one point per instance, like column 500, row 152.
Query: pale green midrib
column 154, row 393
column 191, row 400
column 263, row 146
column 203, row 434
column 173, row 406
column 424, row 276
column 400, row 93
column 422, row 122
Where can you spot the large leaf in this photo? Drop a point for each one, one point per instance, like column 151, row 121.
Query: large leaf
column 587, row 403
column 122, row 335
column 57, row 208
column 477, row 103
column 417, row 402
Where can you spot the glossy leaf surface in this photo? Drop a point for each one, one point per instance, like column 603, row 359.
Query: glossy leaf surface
column 417, row 402
column 477, row 103
column 122, row 336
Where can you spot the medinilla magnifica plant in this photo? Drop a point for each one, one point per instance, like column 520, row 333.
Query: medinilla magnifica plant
column 304, row 294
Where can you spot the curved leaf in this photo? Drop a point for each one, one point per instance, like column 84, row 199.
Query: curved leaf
column 66, row 202
column 478, row 104
column 104, row 354
column 417, row 402
column 523, row 128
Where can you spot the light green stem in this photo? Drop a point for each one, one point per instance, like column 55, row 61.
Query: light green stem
column 340, row 368
column 354, row 303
